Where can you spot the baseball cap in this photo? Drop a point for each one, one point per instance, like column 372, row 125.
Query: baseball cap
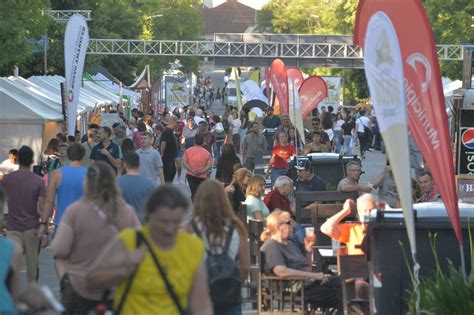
column 303, row 164
column 284, row 117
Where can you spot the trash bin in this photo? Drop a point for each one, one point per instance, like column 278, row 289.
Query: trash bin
column 389, row 277
column 331, row 167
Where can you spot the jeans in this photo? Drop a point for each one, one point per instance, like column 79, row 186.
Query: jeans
column 219, row 144
column 277, row 172
column 347, row 145
column 337, row 134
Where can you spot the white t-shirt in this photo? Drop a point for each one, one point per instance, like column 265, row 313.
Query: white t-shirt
column 339, row 124
column 361, row 122
column 8, row 167
column 236, row 123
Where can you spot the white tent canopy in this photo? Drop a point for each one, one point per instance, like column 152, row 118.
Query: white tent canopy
column 32, row 99
column 90, row 94
column 31, row 110
column 449, row 88
column 114, row 87
column 27, row 118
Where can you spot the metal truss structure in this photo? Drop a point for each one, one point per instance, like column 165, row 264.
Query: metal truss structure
column 300, row 53
column 64, row 15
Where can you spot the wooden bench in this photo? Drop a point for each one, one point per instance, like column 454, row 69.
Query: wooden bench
column 304, row 198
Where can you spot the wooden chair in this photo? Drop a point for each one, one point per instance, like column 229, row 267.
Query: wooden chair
column 308, row 197
column 254, row 228
column 283, row 296
column 351, row 267
column 275, row 294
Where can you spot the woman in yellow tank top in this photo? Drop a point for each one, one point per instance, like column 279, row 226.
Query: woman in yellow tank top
column 179, row 254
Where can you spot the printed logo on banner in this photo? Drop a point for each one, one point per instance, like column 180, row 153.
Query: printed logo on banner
column 70, row 96
column 417, row 57
column 468, row 138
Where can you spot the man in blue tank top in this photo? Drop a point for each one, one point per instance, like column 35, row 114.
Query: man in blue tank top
column 66, row 185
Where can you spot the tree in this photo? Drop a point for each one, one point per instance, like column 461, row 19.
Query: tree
column 21, row 26
column 451, row 21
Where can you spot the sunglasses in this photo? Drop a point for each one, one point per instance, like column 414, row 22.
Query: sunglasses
column 286, row 222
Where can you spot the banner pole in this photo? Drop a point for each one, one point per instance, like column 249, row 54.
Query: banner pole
column 463, row 262
column 294, row 114
column 416, row 276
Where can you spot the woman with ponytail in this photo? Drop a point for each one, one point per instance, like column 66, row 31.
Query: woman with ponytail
column 86, row 227
column 284, row 259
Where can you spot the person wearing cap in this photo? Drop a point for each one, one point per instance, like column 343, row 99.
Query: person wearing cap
column 307, row 180
column 285, row 127
column 270, row 120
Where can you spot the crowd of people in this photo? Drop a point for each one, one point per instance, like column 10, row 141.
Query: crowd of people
column 121, row 235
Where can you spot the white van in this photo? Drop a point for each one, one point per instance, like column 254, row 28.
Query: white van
column 231, row 95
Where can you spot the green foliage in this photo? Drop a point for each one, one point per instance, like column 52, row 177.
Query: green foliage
column 444, row 293
column 451, row 21
column 21, row 26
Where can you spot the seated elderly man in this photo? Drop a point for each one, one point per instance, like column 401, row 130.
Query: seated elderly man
column 278, row 197
column 284, row 259
column 307, row 180
column 429, row 191
column 350, row 183
column 351, row 234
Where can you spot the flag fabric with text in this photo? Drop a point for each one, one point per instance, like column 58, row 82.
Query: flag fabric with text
column 427, row 117
column 312, row 91
column 296, row 75
column 76, row 40
column 384, row 71
column 279, row 80
column 295, row 111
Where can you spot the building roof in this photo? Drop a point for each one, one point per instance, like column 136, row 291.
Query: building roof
column 229, row 17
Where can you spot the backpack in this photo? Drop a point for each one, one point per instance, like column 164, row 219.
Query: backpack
column 46, row 165
column 219, row 131
column 223, row 274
